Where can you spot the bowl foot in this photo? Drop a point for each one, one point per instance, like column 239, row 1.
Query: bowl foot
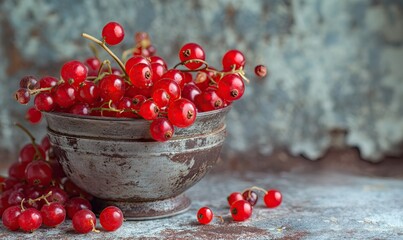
column 147, row 210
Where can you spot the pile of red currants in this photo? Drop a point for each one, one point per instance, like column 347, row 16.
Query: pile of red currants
column 143, row 87
column 241, row 204
column 37, row 192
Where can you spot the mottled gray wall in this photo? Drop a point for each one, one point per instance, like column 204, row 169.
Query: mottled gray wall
column 335, row 65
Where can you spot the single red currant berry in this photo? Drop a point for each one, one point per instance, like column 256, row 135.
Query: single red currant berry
column 45, row 143
column 73, row 205
column 151, row 50
column 93, row 63
column 126, row 104
column 182, row 113
column 161, row 129
column 241, row 210
column 28, row 82
column 175, row 75
column 158, row 71
column 84, row 221
column 205, row 79
column 88, row 92
column 113, row 33
column 170, row 86
column 141, row 36
column 134, row 61
column 112, row 88
column 80, row 109
column 190, row 91
column 137, row 101
column 65, row 95
column 22, row 96
column 273, row 198
column 17, row 170
column 38, row 173
column 158, row 59
column 233, row 197
column 161, row 98
column 28, row 153
column 15, row 198
column 10, row 218
column 192, row 51
column 250, row 196
column 208, row 100
column 149, row 110
column 205, row 215
column 30, row 219
column 33, row 115
column 47, row 82
column 233, row 59
column 74, row 71
column 231, row 88
column 58, row 195
column 53, row 214
column 261, row 71
column 44, row 102
column 141, row 75
column 111, row 218
column 187, row 77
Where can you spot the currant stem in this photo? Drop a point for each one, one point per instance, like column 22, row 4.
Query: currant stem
column 37, row 153
column 94, row 50
column 127, row 52
column 190, row 61
column 22, row 205
column 93, row 227
column 108, row 64
column 221, row 218
column 103, row 45
column 33, row 92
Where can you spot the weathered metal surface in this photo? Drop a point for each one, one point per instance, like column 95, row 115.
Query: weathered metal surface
column 317, row 204
column 117, row 161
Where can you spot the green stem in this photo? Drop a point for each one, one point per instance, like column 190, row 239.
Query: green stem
column 37, row 153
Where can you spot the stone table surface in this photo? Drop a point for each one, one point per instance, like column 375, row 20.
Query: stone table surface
column 317, row 204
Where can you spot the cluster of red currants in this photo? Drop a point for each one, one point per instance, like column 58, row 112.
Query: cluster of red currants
column 241, row 204
column 37, row 193
column 143, row 87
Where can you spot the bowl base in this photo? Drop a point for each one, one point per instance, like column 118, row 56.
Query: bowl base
column 147, row 210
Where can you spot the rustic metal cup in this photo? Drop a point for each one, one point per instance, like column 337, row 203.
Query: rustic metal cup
column 117, row 162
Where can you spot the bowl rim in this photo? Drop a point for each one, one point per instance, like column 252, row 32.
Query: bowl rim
column 101, row 118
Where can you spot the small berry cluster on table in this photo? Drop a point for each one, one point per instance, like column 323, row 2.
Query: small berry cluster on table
column 241, row 204
column 37, row 193
column 142, row 87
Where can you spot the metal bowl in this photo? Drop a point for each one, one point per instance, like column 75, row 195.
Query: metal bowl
column 117, row 162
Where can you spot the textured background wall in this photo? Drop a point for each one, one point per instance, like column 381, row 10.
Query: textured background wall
column 336, row 66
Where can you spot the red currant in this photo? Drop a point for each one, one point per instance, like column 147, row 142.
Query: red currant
column 28, row 82
column 160, row 60
column 30, row 219
column 187, row 77
column 113, row 33
column 241, row 210
column 17, row 170
column 190, row 91
column 47, row 82
column 141, row 75
column 80, row 109
column 158, row 71
column 112, row 88
column 233, row 197
column 126, row 104
column 28, row 153
column 134, row 61
column 44, row 102
column 53, row 214
column 88, row 92
column 149, row 110
column 10, row 218
column 74, row 71
column 73, row 205
column 250, row 196
column 205, row 215
column 22, row 96
column 261, row 71
column 65, row 95
column 182, row 113
column 161, row 98
column 38, row 173
column 33, row 115
column 273, row 198
column 208, row 100
column 231, row 87
column 133, row 91
column 175, row 75
column 233, row 59
column 111, row 218
column 192, row 51
column 93, row 64
column 84, row 221
column 58, row 195
column 161, row 129
column 15, row 198
column 45, row 143
column 170, row 86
